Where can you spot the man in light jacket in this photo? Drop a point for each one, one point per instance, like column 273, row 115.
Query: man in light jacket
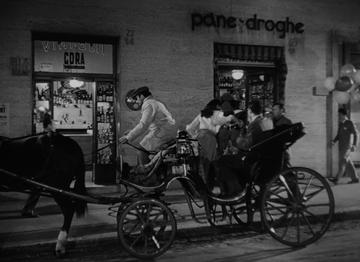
column 156, row 123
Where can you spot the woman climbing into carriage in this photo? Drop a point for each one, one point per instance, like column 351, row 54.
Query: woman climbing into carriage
column 205, row 127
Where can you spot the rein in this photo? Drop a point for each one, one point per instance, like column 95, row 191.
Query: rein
column 22, row 137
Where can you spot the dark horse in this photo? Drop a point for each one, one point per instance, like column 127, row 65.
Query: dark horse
column 51, row 159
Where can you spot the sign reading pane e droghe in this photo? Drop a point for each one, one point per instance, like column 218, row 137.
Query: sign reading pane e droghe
column 73, row 57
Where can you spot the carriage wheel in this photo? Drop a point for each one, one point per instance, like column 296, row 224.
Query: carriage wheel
column 146, row 228
column 297, row 206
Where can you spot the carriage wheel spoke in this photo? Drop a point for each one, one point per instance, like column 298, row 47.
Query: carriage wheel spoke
column 267, row 211
column 145, row 244
column 277, row 190
column 298, row 227
column 139, row 215
column 283, row 181
column 287, row 226
column 153, row 238
column 311, row 195
column 133, row 228
column 281, row 219
column 279, row 200
column 136, row 240
column 161, row 224
column 308, row 223
column 316, row 218
column 149, row 208
column 132, row 213
column 307, row 186
column 156, row 217
column 276, row 208
column 318, row 205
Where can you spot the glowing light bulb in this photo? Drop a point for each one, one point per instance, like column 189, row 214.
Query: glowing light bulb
column 237, row 74
column 75, row 83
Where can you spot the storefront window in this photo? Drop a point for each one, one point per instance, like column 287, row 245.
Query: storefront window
column 42, row 104
column 256, row 83
column 73, row 107
column 263, row 73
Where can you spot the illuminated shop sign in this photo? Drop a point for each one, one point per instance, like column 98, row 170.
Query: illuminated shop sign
column 73, row 57
column 282, row 27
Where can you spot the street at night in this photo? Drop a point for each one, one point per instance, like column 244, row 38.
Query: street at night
column 341, row 243
column 191, row 130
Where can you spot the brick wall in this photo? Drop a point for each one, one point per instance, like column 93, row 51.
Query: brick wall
column 176, row 62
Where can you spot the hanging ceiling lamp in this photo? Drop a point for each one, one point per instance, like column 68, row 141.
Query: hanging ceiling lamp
column 237, row 74
column 74, row 83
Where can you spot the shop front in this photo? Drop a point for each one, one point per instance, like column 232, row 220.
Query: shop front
column 73, row 81
column 187, row 53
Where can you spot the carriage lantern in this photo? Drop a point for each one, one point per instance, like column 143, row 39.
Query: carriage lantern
column 183, row 145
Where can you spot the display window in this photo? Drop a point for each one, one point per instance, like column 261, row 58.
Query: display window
column 246, row 84
column 249, row 72
column 73, row 107
column 41, row 98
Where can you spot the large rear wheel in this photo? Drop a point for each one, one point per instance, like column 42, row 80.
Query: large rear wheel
column 297, row 206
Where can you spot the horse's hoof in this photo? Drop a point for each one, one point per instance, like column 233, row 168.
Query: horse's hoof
column 60, row 253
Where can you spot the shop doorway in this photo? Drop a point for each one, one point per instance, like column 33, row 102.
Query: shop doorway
column 84, row 111
column 352, row 56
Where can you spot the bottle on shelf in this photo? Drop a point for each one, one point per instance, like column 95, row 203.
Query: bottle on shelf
column 99, row 94
column 98, row 116
column 103, row 93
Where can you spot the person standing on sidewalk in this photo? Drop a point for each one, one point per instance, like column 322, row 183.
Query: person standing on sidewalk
column 347, row 136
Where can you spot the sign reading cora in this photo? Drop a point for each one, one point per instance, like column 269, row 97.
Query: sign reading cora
column 283, row 27
column 73, row 57
column 74, row 60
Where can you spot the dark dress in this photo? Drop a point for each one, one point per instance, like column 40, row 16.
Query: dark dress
column 233, row 170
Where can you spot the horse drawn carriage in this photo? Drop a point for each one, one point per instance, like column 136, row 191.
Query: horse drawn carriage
column 294, row 205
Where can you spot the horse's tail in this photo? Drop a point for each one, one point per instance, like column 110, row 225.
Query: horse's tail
column 79, row 187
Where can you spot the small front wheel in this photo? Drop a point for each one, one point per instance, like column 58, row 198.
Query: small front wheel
column 297, row 206
column 146, row 228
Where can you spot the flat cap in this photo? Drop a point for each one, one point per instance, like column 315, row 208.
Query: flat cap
column 140, row 90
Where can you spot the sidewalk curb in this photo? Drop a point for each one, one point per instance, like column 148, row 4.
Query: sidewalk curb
column 182, row 234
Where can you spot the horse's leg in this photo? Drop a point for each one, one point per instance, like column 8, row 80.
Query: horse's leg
column 67, row 209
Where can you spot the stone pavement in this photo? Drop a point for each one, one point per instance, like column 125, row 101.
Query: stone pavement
column 16, row 231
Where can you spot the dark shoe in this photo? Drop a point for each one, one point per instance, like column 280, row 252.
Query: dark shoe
column 29, row 214
column 355, row 181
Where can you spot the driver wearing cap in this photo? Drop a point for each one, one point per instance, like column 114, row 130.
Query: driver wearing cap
column 156, row 123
